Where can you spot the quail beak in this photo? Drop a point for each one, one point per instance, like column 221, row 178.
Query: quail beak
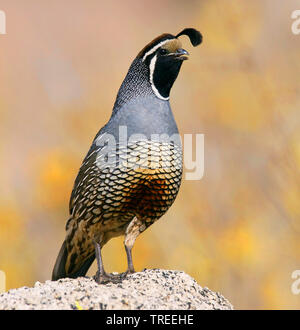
column 181, row 54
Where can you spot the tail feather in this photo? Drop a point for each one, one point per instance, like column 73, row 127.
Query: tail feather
column 59, row 270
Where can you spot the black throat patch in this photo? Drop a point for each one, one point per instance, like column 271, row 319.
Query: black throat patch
column 165, row 72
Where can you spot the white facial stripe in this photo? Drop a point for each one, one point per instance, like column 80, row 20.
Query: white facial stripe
column 155, row 90
column 152, row 50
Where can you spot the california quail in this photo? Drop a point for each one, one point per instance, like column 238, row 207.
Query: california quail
column 132, row 172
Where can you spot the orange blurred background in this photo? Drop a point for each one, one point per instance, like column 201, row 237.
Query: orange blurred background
column 235, row 231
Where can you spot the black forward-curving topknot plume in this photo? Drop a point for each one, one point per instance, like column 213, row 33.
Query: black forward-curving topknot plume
column 194, row 35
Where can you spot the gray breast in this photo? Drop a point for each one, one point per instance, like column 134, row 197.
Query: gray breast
column 147, row 116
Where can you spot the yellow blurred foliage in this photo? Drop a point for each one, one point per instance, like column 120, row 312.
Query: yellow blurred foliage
column 55, row 177
column 291, row 199
column 11, row 224
column 238, row 106
column 239, row 244
column 13, row 230
column 234, row 31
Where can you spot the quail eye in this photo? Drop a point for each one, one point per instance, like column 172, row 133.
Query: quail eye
column 163, row 51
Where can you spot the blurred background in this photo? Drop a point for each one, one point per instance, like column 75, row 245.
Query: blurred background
column 235, row 231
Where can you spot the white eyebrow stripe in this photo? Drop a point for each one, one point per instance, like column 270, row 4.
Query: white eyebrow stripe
column 152, row 50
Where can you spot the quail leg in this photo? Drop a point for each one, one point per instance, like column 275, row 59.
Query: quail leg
column 130, row 269
column 101, row 276
column 132, row 232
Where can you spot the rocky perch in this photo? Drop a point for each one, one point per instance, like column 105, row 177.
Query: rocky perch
column 149, row 289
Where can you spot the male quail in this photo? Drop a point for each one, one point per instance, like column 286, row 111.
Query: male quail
column 132, row 172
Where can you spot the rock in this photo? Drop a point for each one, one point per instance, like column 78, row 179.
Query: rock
column 149, row 289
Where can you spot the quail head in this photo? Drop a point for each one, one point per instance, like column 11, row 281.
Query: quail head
column 132, row 172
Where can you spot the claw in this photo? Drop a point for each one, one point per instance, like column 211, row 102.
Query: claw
column 106, row 278
column 124, row 275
